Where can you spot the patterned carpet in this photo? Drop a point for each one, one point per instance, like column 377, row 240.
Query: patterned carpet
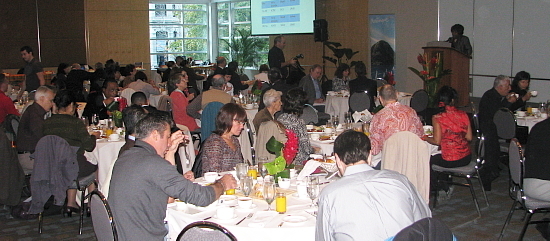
column 458, row 213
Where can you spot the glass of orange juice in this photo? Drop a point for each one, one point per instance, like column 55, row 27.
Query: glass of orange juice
column 280, row 201
column 230, row 192
column 253, row 172
column 108, row 131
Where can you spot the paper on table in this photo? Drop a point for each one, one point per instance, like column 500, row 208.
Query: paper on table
column 261, row 218
column 363, row 116
column 309, row 168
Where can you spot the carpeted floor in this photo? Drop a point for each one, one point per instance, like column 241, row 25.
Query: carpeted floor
column 458, row 213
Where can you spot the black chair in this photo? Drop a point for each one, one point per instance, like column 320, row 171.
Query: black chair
column 195, row 232
column 102, row 217
column 82, row 186
column 309, row 115
column 521, row 201
column 467, row 172
column 380, row 82
column 359, row 101
column 506, row 127
column 420, row 100
column 475, row 120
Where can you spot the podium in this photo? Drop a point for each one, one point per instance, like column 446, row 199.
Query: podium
column 459, row 63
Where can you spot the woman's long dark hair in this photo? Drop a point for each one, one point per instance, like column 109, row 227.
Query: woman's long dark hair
column 445, row 97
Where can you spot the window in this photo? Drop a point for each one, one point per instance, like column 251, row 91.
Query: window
column 233, row 16
column 177, row 29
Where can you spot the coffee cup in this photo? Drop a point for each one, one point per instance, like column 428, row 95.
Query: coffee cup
column 534, row 93
column 534, row 110
column 245, row 202
column 315, row 137
column 302, row 190
column 210, row 177
column 284, row 183
column 329, row 130
column 114, row 137
column 428, row 130
column 544, row 115
column 225, row 212
column 249, row 106
column 309, row 127
column 520, row 113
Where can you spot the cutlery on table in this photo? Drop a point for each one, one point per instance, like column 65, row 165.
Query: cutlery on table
column 208, row 218
column 247, row 217
column 281, row 224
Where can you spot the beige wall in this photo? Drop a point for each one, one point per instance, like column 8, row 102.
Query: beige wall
column 415, row 25
column 118, row 30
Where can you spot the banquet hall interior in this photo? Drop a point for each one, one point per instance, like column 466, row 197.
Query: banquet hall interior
column 505, row 36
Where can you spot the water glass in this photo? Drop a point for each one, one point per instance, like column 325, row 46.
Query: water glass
column 242, row 170
column 261, row 166
column 312, row 188
column 247, row 185
column 269, row 192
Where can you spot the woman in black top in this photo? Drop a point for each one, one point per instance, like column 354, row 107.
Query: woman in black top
column 520, row 86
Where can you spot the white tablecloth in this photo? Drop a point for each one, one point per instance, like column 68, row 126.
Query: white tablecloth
column 327, row 147
column 104, row 155
column 177, row 220
column 528, row 121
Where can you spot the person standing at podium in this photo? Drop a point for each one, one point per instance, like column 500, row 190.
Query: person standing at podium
column 459, row 41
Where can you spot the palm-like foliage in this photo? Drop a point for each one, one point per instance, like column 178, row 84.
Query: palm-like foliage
column 244, row 48
column 340, row 53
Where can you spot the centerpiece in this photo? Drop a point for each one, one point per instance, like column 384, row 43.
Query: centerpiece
column 431, row 74
column 280, row 167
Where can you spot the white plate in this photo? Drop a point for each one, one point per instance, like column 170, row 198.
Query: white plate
column 295, row 219
column 222, row 220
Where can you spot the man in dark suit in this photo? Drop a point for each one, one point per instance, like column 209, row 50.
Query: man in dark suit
column 311, row 85
column 100, row 103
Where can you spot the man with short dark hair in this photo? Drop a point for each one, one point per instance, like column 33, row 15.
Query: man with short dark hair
column 142, row 181
column 394, row 118
column 34, row 73
column 276, row 57
column 140, row 99
column 6, row 104
column 365, row 204
column 216, row 93
column 30, row 127
column 130, row 116
column 311, row 85
column 492, row 100
column 102, row 102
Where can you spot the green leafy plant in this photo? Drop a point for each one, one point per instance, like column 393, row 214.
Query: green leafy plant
column 341, row 55
column 431, row 73
column 244, row 48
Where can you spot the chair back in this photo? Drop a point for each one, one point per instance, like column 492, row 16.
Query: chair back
column 164, row 103
column 309, row 115
column 516, row 162
column 102, row 217
column 419, row 100
column 505, row 123
column 127, row 94
column 425, row 229
column 11, row 124
column 380, row 82
column 205, row 230
column 479, row 151
column 208, row 119
column 359, row 101
column 406, row 153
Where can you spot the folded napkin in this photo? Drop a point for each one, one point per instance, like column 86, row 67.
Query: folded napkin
column 363, row 116
column 261, row 218
column 309, row 168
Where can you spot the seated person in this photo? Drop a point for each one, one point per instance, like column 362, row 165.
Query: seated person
column 140, row 99
column 394, row 118
column 453, row 132
column 293, row 105
column 30, row 129
column 67, row 126
column 520, row 86
column 130, row 116
column 180, row 100
column 143, row 180
column 536, row 180
column 311, row 85
column 341, row 78
column 365, row 204
column 362, row 83
column 143, row 85
column 6, row 105
column 215, row 93
column 222, row 150
column 272, row 101
column 100, row 103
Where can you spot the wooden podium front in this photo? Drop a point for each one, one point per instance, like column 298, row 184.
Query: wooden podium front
column 459, row 79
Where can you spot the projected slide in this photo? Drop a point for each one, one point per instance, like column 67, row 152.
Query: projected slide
column 282, row 16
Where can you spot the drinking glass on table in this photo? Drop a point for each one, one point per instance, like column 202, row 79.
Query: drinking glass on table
column 242, row 170
column 269, row 191
column 261, row 166
column 246, row 185
column 312, row 188
column 84, row 120
column 95, row 120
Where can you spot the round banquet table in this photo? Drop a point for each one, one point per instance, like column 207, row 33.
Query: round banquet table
column 528, row 121
column 270, row 231
column 104, row 156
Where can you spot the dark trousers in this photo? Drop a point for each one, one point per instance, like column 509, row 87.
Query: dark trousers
column 436, row 176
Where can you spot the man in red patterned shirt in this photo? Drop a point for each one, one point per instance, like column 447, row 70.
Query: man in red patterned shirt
column 394, row 118
column 6, row 105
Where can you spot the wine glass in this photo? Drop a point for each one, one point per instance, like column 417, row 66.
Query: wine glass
column 269, row 191
column 95, row 119
column 312, row 188
column 246, row 185
column 261, row 166
column 242, row 170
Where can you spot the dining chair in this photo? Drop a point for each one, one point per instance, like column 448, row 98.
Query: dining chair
column 521, row 200
column 102, row 217
column 467, row 172
column 475, row 119
column 127, row 94
column 506, row 127
column 165, row 104
column 309, row 115
column 380, row 82
column 82, row 186
column 406, row 153
column 419, row 100
column 359, row 101
column 205, row 230
column 425, row 229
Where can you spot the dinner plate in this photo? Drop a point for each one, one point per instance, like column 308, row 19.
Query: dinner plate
column 224, row 220
column 295, row 219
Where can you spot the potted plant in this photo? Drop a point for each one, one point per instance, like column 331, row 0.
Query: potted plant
column 431, row 74
column 342, row 55
column 244, row 48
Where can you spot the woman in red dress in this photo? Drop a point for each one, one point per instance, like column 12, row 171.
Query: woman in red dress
column 180, row 99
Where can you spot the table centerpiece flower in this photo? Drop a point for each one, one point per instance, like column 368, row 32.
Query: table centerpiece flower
column 280, row 167
column 431, row 74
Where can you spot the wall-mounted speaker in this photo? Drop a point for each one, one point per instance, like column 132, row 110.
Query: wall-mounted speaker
column 320, row 32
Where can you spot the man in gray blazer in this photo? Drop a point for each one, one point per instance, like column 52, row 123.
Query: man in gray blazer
column 311, row 85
